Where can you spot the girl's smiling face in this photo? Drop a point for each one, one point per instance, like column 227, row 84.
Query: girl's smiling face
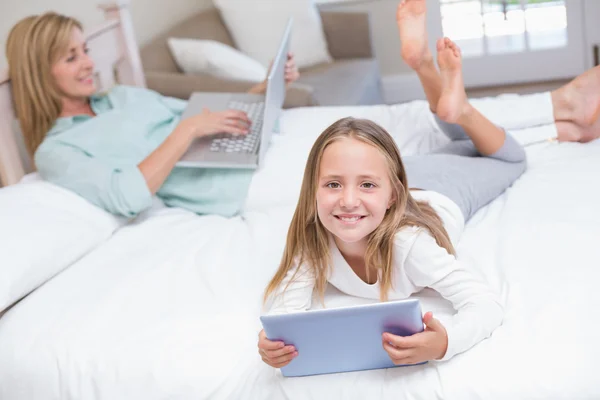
column 354, row 190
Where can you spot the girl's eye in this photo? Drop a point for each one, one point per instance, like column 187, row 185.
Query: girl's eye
column 86, row 50
column 71, row 59
column 333, row 185
column 368, row 185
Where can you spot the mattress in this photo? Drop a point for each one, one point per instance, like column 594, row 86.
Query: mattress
column 168, row 307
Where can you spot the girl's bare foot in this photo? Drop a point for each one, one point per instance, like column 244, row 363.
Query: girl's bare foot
column 579, row 100
column 453, row 103
column 410, row 17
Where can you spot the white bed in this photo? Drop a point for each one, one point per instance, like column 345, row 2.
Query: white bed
column 168, row 307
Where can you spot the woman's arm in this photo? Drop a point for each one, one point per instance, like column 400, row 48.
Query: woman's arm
column 159, row 164
column 127, row 190
column 117, row 189
column 291, row 75
column 259, row 88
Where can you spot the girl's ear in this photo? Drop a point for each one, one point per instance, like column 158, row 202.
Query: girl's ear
column 391, row 201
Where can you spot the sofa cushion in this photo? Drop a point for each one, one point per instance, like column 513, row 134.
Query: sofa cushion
column 257, row 27
column 215, row 58
column 344, row 82
column 206, row 25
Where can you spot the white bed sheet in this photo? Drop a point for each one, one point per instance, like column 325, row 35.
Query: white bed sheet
column 168, row 307
column 44, row 229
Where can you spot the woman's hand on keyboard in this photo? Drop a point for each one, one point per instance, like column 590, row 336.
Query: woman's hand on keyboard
column 209, row 123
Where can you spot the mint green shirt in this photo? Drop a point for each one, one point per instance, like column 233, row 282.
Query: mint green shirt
column 97, row 157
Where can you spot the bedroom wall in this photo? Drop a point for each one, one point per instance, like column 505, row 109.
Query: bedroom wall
column 150, row 17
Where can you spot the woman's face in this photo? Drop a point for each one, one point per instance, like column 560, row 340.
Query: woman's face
column 73, row 70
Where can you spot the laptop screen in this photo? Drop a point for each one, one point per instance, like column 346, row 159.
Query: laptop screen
column 275, row 95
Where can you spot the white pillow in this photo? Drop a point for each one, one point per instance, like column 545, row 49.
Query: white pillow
column 257, row 27
column 215, row 58
column 43, row 230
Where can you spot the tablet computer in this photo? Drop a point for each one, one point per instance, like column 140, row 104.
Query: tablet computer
column 343, row 339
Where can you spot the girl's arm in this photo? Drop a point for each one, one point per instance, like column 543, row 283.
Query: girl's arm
column 478, row 308
column 293, row 295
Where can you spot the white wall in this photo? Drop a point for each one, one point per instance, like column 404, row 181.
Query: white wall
column 150, row 17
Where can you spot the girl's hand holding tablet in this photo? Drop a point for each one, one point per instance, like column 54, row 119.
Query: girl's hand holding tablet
column 431, row 344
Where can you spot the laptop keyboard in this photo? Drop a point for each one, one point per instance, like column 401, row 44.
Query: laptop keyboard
column 248, row 143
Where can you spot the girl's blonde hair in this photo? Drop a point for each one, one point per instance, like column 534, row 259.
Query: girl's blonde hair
column 308, row 241
column 34, row 45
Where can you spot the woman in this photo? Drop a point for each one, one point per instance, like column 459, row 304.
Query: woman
column 116, row 150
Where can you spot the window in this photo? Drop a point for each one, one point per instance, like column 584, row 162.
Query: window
column 486, row 27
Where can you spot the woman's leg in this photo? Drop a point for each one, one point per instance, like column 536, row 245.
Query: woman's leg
column 474, row 170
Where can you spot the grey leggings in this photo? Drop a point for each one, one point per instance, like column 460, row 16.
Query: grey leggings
column 461, row 173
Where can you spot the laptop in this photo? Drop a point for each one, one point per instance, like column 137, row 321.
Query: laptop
column 242, row 151
column 342, row 339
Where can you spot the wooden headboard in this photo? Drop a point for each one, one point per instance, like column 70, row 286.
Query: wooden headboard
column 117, row 60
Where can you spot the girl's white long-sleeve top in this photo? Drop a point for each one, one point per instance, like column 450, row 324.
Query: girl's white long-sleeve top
column 419, row 262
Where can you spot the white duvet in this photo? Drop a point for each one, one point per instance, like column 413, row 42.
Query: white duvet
column 168, row 307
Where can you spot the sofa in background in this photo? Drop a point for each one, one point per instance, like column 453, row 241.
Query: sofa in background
column 352, row 78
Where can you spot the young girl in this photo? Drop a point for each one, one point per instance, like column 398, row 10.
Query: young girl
column 359, row 227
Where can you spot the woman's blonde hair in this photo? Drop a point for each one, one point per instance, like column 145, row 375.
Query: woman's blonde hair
column 308, row 240
column 34, row 45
